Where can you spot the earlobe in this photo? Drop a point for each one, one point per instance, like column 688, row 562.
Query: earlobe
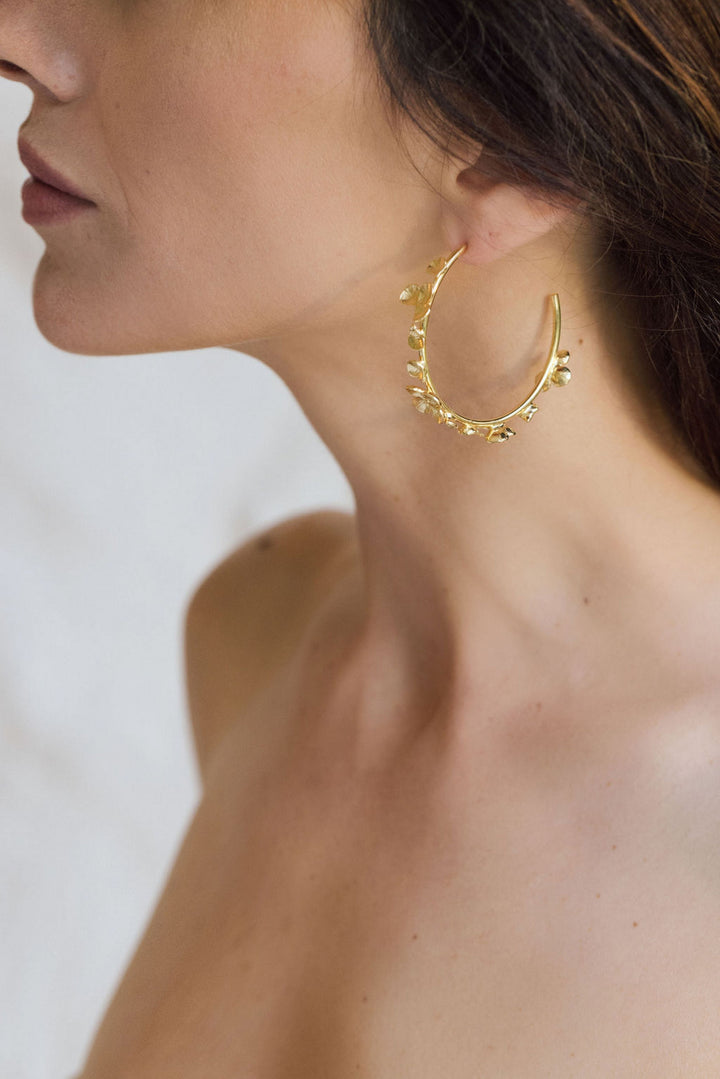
column 495, row 217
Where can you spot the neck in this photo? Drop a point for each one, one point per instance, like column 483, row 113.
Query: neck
column 526, row 567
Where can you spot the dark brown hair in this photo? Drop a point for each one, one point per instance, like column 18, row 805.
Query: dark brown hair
column 615, row 103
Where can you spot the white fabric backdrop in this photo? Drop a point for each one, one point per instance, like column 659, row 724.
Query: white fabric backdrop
column 123, row 480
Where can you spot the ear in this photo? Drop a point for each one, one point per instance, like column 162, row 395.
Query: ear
column 495, row 216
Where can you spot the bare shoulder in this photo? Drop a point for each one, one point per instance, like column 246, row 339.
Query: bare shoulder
column 247, row 614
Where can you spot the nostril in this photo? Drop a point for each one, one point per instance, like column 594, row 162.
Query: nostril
column 5, row 65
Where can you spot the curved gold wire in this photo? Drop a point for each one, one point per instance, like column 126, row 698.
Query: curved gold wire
column 429, row 400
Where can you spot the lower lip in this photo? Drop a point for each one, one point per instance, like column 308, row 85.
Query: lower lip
column 45, row 205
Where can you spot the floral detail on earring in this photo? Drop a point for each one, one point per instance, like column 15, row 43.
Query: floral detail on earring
column 416, row 338
column 418, row 295
column 562, row 375
column 425, row 402
column 427, row 399
column 500, row 436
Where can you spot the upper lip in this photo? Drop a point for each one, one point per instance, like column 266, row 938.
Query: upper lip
column 42, row 171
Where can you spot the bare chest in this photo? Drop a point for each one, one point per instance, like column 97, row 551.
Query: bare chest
column 322, row 923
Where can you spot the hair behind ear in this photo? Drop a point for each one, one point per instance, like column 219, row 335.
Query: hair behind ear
column 612, row 103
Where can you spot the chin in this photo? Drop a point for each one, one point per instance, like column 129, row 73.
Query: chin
column 67, row 316
column 78, row 338
column 78, row 317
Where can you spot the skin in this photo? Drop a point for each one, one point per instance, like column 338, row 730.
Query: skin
column 252, row 193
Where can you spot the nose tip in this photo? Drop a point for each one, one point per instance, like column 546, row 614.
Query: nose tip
column 48, row 75
column 14, row 73
column 8, row 68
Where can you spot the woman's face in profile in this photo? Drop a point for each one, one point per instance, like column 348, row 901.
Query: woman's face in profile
column 245, row 175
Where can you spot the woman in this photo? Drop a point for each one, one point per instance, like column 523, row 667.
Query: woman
column 460, row 750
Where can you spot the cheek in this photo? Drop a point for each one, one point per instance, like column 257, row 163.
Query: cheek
column 272, row 164
column 252, row 184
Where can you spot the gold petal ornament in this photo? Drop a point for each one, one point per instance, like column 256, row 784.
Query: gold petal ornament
column 426, row 398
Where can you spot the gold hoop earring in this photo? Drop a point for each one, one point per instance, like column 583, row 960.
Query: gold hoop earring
column 429, row 400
